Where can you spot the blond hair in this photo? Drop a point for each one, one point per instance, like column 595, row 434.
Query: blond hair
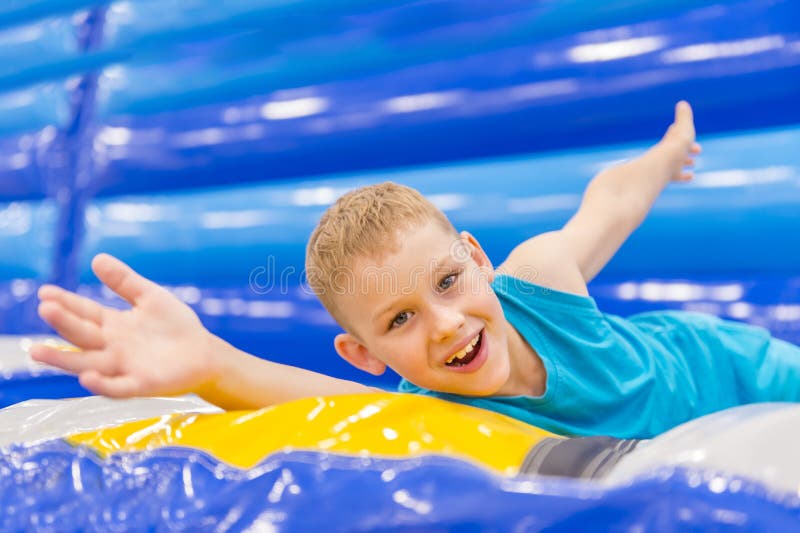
column 364, row 223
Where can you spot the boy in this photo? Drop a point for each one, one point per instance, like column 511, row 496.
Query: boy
column 415, row 295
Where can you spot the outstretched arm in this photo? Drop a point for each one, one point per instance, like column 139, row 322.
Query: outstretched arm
column 618, row 199
column 159, row 348
column 614, row 204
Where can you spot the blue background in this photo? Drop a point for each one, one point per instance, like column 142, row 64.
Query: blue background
column 201, row 143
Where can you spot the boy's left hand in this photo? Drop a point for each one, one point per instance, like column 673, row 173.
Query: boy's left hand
column 679, row 144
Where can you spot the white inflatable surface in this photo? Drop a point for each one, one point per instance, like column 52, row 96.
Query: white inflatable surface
column 36, row 420
column 14, row 355
column 757, row 441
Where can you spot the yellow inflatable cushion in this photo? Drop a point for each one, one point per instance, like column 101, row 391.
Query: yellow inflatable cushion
column 385, row 425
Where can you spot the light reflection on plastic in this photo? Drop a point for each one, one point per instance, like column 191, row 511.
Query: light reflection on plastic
column 542, row 89
column 201, row 137
column 188, row 487
column 704, row 307
column 75, row 472
column 549, row 202
column 113, row 78
column 134, row 212
column 162, row 426
column 727, row 293
column 16, row 219
column 740, row 177
column 447, row 202
column 288, row 109
column 404, row 498
column 740, row 310
column 16, row 161
column 286, row 479
column 786, row 313
column 718, row 484
column 23, row 34
column 235, row 219
column 316, row 196
column 590, row 53
column 47, row 135
column 270, row 310
column 267, row 522
column 706, row 51
column 25, row 142
column 212, row 306
column 254, row 309
column 22, row 288
column 122, row 10
column 729, row 516
column 16, row 99
column 250, row 132
column 316, row 410
column 421, row 102
column 232, row 115
column 678, row 292
column 189, row 295
column 114, row 136
column 237, row 306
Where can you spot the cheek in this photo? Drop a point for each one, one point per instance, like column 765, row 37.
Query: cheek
column 491, row 303
column 403, row 350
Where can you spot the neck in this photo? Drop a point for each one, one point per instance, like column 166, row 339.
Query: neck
column 527, row 376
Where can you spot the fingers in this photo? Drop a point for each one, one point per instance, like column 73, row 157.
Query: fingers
column 111, row 386
column 83, row 333
column 689, row 162
column 72, row 362
column 94, row 369
column 121, row 278
column 78, row 305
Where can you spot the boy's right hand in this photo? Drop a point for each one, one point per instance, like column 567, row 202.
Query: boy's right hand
column 158, row 347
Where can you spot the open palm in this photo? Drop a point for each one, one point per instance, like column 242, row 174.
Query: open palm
column 158, row 347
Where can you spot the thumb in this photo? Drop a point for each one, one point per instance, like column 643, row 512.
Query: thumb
column 683, row 111
column 684, row 116
column 121, row 278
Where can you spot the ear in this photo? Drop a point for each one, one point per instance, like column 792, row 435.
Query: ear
column 477, row 254
column 351, row 350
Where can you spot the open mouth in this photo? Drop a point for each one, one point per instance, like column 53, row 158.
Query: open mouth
column 467, row 354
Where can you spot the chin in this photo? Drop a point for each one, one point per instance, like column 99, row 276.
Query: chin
column 487, row 387
column 493, row 384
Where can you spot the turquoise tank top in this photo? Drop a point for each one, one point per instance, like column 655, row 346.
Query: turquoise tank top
column 633, row 377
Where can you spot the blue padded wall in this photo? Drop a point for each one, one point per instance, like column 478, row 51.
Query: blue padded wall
column 259, row 95
column 200, row 141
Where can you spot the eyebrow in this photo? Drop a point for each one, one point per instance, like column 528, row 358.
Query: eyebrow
column 386, row 309
column 437, row 264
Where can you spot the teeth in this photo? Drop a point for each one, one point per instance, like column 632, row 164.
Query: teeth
column 461, row 354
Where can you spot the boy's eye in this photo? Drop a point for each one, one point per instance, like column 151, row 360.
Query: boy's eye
column 448, row 281
column 400, row 319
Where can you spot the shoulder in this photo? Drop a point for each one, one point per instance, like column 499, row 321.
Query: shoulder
column 545, row 260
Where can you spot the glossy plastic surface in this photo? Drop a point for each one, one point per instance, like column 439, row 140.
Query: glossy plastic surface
column 380, row 85
column 367, row 462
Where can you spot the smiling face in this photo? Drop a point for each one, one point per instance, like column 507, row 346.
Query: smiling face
column 427, row 310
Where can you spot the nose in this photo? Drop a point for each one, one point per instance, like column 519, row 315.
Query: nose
column 446, row 321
